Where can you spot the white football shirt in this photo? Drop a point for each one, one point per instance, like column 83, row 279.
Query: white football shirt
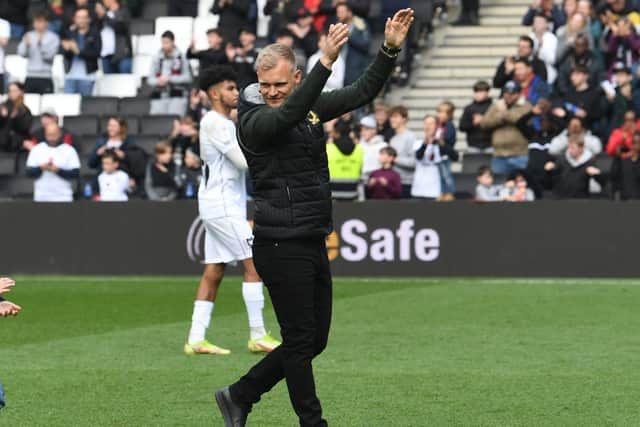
column 113, row 186
column 5, row 32
column 50, row 187
column 222, row 190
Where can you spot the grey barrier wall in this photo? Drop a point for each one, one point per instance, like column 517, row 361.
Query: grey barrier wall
column 405, row 238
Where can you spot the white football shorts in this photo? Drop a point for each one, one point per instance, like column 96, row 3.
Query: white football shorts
column 227, row 240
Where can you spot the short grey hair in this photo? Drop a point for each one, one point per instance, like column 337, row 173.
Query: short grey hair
column 270, row 55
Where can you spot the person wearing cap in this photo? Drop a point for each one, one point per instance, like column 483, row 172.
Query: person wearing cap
column 625, row 96
column 545, row 45
column 505, row 70
column 581, row 100
column 48, row 116
column 304, row 34
column 234, row 14
column 214, row 55
column 510, row 147
column 478, row 139
column 371, row 143
column 578, row 54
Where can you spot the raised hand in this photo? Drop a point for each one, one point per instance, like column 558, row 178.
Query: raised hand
column 7, row 308
column 6, row 284
column 396, row 28
column 337, row 37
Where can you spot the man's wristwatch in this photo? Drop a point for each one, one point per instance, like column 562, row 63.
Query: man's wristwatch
column 390, row 52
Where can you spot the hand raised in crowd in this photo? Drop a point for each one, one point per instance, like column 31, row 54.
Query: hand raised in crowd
column 100, row 10
column 396, row 28
column 549, row 166
column 6, row 284
column 592, row 171
column 509, row 64
column 7, row 308
column 337, row 37
column 27, row 40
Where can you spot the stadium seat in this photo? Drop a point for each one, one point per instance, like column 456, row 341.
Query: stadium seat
column 21, row 188
column 134, row 106
column 98, row 106
column 345, row 189
column 471, row 162
column 204, row 7
column 118, row 85
column 16, row 66
column 142, row 26
column 133, row 124
column 82, row 125
column 32, row 101
column 57, row 73
column 142, row 66
column 466, row 185
column 148, row 142
column 65, row 104
column 148, row 44
column 7, row 163
column 5, row 194
column 603, row 162
column 181, row 26
column 86, row 144
column 153, row 9
column 157, row 125
column 200, row 26
column 12, row 47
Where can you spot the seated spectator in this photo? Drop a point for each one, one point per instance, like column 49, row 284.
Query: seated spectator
column 579, row 54
column 234, row 14
column 15, row 119
column 516, row 190
column 577, row 26
column 336, row 79
column 623, row 43
column 381, row 113
column 160, row 181
column 191, row 174
column 54, row 165
column 357, row 47
column 344, row 155
column 81, row 50
column 116, row 51
column 581, row 100
column 371, row 144
column 403, row 142
column 560, row 142
column 510, row 147
column 446, row 139
column 183, row 8
column 113, row 183
column 623, row 97
column 5, row 32
column 506, row 69
column 184, row 136
column 243, row 58
column 385, row 183
column 486, row 191
column 478, row 139
column 547, row 8
column 427, row 183
column 39, row 46
column 48, row 116
column 570, row 173
column 214, row 55
column 17, row 13
column 545, row 45
column 625, row 172
column 621, row 139
column 170, row 78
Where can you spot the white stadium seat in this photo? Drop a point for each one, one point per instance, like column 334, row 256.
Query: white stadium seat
column 148, row 44
column 181, row 27
column 200, row 26
column 204, row 7
column 57, row 73
column 142, row 66
column 134, row 44
column 64, row 104
column 118, row 85
column 16, row 66
column 32, row 101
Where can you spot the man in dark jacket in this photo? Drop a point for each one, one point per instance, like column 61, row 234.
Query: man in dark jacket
column 116, row 50
column 625, row 172
column 357, row 49
column 16, row 12
column 506, row 69
column 581, row 100
column 281, row 134
column 579, row 54
column 81, row 50
column 234, row 15
column 215, row 55
column 478, row 139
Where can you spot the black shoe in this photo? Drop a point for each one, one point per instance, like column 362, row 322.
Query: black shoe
column 234, row 415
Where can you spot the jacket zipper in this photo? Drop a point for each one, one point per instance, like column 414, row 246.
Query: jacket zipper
column 290, row 205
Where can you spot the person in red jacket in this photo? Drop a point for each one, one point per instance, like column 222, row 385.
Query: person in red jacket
column 621, row 139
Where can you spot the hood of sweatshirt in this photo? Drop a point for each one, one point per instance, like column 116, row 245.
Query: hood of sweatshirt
column 584, row 158
column 345, row 145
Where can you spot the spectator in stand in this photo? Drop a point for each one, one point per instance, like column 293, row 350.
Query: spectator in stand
column 569, row 8
column 625, row 172
column 615, row 10
column 581, row 100
column 505, row 70
column 478, row 139
column 385, row 183
column 214, row 55
column 304, row 34
column 446, row 139
column 356, row 50
column 547, row 8
column 114, row 22
column 54, row 165
column 234, row 15
column 281, row 13
column 360, row 8
column 371, row 144
column 486, row 191
column 344, row 155
column 336, row 79
column 16, row 12
column 621, row 139
column 55, row 11
column 48, row 117
column 39, row 46
column 15, row 119
column 160, row 182
column 381, row 113
column 402, row 142
column 286, row 38
column 191, row 174
column 170, row 78
column 184, row 136
column 545, row 45
column 576, row 26
column 183, row 8
column 5, row 33
column 70, row 7
column 199, row 106
column 510, row 147
column 578, row 54
column 113, row 183
column 622, row 98
column 593, row 22
column 570, row 173
column 427, row 182
column 533, row 87
column 623, row 43
column 81, row 50
column 560, row 142
column 468, row 13
column 244, row 57
column 516, row 190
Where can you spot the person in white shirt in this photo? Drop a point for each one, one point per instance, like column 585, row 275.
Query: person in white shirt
column 336, row 79
column 545, row 45
column 5, row 32
column 222, row 206
column 426, row 179
column 371, row 143
column 54, row 164
column 113, row 183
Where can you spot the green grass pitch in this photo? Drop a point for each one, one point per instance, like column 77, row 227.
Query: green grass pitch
column 421, row 352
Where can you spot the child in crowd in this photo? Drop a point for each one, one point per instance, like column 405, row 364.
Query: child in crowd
column 516, row 189
column 160, row 182
column 385, row 183
column 113, row 183
column 446, row 136
column 426, row 179
column 486, row 191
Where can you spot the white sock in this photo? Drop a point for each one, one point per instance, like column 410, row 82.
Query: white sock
column 202, row 311
column 254, row 300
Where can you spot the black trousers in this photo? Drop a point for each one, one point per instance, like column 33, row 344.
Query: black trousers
column 38, row 85
column 298, row 277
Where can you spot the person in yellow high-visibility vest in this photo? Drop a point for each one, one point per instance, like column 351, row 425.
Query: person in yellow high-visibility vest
column 344, row 155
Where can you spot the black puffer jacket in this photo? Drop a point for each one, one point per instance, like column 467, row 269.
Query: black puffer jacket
column 286, row 153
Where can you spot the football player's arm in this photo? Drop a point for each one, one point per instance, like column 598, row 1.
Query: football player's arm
column 219, row 135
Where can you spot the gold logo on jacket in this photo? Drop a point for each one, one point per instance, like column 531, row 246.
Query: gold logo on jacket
column 313, row 118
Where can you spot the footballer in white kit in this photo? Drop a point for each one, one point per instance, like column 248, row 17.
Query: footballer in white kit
column 222, row 205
